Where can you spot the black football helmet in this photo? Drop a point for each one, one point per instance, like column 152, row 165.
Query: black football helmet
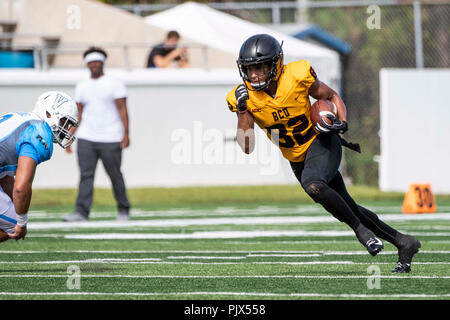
column 258, row 49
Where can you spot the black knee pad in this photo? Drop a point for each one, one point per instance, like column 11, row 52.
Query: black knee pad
column 315, row 190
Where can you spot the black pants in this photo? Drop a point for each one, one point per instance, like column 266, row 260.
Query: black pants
column 111, row 155
column 322, row 181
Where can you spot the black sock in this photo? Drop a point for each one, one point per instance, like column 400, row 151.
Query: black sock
column 367, row 217
column 363, row 234
column 332, row 202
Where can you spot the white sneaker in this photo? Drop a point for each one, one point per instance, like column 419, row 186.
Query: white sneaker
column 75, row 217
column 123, row 217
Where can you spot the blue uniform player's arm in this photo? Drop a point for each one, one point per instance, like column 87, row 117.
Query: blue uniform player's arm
column 26, row 168
column 7, row 184
column 34, row 146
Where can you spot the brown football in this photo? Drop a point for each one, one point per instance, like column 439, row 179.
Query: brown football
column 320, row 109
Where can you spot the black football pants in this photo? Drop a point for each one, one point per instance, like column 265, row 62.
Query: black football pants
column 319, row 176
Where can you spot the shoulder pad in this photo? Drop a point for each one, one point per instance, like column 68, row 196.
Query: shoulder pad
column 39, row 136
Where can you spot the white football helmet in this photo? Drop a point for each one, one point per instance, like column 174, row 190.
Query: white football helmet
column 61, row 113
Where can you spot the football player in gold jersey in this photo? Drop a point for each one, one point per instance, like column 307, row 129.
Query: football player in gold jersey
column 276, row 97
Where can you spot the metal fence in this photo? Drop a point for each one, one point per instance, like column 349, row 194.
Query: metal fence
column 384, row 33
column 391, row 41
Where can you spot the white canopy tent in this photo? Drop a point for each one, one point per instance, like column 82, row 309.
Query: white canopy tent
column 224, row 33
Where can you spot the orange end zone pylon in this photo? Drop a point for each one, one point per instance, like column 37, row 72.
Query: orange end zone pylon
column 419, row 199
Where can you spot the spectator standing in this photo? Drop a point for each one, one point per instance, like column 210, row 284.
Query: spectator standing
column 102, row 134
column 168, row 54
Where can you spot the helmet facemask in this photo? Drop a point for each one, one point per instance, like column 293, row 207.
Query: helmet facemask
column 275, row 63
column 60, row 112
column 63, row 132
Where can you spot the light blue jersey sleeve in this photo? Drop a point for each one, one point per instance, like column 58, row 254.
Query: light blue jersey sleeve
column 36, row 142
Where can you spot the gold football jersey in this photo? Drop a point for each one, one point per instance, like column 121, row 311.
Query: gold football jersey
column 286, row 117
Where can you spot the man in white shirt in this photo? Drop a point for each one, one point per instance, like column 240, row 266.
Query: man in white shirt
column 102, row 134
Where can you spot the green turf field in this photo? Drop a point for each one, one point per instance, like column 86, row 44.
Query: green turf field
column 277, row 250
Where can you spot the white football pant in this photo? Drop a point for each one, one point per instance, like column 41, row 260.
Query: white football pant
column 8, row 215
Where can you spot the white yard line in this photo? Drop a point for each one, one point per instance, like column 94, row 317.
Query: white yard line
column 227, row 210
column 31, row 235
column 196, row 212
column 208, row 235
column 220, row 221
column 314, row 241
column 158, row 261
column 344, row 253
column 151, row 251
column 250, row 253
column 286, row 255
column 218, row 276
column 134, row 261
column 228, row 235
column 178, row 222
column 433, row 227
column 206, row 293
column 205, row 257
column 121, row 260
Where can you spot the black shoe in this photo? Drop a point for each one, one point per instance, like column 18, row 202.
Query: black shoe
column 374, row 246
column 407, row 246
column 369, row 240
column 402, row 268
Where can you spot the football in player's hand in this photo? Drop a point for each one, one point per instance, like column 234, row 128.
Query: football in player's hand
column 319, row 110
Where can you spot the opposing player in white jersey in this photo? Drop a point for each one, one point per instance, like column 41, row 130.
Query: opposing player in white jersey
column 26, row 140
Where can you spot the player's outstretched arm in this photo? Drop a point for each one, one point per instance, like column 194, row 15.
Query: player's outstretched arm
column 26, row 168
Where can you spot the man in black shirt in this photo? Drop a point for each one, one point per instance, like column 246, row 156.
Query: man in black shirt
column 163, row 55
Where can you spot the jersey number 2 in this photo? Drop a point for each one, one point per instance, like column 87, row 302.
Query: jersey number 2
column 285, row 140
